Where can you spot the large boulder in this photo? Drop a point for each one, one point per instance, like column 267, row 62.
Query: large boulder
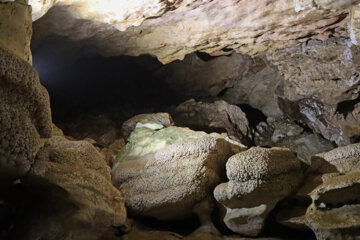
column 161, row 118
column 218, row 116
column 87, row 205
column 24, row 114
column 258, row 179
column 165, row 172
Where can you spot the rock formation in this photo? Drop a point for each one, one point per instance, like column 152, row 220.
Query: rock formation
column 258, row 179
column 164, row 172
column 159, row 118
column 16, row 28
column 281, row 132
column 218, row 116
column 236, row 78
column 24, row 114
column 172, row 29
column 93, row 205
column 332, row 187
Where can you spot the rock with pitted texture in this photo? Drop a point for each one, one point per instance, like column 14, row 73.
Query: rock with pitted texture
column 165, row 172
column 16, row 28
column 218, row 116
column 258, row 179
column 329, row 200
column 341, row 159
column 160, row 118
column 335, row 210
column 81, row 171
column 172, row 29
column 24, row 114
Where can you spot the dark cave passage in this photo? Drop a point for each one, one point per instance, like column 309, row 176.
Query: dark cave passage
column 83, row 85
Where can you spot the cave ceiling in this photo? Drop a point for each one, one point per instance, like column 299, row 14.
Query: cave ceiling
column 172, row 29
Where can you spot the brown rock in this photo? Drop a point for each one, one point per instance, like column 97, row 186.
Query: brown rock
column 258, row 179
column 160, row 118
column 16, row 28
column 24, row 114
column 79, row 169
column 218, row 116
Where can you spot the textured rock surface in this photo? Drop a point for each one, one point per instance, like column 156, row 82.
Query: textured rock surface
column 342, row 160
column 258, row 179
column 172, row 29
column 159, row 118
column 218, row 116
column 325, row 70
column 335, row 211
column 101, row 129
column 79, row 169
column 328, row 201
column 164, row 172
column 321, row 87
column 282, row 132
column 24, row 113
column 238, row 79
column 16, row 28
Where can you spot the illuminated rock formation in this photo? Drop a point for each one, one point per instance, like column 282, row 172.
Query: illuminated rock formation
column 165, row 172
column 172, row 29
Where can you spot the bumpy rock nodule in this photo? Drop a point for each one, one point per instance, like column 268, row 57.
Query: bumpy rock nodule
column 24, row 114
column 258, row 179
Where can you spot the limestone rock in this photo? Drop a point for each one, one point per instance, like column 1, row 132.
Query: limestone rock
column 79, row 169
column 160, row 118
column 172, row 29
column 258, row 179
column 195, row 77
column 218, row 116
column 237, row 79
column 16, row 28
column 281, row 132
column 111, row 152
column 164, row 172
column 339, row 124
column 335, row 211
column 325, row 70
column 100, row 128
column 256, row 87
column 341, row 159
column 24, row 114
